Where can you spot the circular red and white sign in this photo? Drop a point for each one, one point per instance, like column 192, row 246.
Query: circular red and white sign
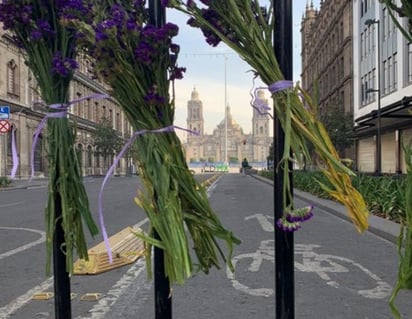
column 5, row 126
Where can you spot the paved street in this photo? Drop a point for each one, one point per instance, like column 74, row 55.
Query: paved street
column 338, row 272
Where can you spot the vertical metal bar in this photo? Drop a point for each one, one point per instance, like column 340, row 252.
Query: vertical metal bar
column 163, row 299
column 284, row 250
column 62, row 292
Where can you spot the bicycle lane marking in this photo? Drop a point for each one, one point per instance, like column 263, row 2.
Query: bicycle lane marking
column 381, row 291
column 311, row 262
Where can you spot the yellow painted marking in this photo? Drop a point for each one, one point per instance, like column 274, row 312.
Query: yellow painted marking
column 43, row 296
column 91, row 296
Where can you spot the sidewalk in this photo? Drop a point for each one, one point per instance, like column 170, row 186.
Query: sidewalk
column 25, row 183
column 377, row 225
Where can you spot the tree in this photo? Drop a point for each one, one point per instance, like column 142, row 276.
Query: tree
column 106, row 140
column 339, row 125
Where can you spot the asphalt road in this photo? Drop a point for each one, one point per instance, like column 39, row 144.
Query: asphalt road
column 338, row 272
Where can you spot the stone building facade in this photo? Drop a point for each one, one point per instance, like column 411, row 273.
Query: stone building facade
column 327, row 55
column 18, row 91
column 228, row 143
column 327, row 52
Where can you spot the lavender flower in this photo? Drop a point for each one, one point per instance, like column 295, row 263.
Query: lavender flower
column 165, row 3
column 177, row 73
column 300, row 214
column 63, row 66
column 285, row 225
column 35, row 35
column 144, row 53
column 153, row 97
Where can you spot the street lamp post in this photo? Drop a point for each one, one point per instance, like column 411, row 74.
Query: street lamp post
column 378, row 169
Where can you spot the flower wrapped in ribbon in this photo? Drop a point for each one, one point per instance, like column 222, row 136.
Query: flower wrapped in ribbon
column 247, row 28
column 50, row 52
column 139, row 62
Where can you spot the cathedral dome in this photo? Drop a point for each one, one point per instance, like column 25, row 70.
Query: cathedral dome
column 230, row 121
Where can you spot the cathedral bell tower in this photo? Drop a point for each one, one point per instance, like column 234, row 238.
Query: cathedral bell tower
column 260, row 122
column 194, row 119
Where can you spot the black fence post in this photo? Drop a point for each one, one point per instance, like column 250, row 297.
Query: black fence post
column 284, row 246
column 163, row 298
column 61, row 279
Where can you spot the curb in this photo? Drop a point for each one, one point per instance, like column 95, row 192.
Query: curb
column 381, row 227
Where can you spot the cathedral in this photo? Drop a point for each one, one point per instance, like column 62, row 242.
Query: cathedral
column 228, row 143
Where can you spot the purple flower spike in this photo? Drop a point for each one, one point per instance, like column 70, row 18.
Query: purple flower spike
column 285, row 225
column 300, row 214
column 63, row 66
column 165, row 3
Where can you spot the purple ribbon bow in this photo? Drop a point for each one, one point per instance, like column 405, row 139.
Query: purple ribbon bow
column 63, row 113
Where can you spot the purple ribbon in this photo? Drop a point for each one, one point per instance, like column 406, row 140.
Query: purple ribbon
column 117, row 158
column 14, row 153
column 63, row 113
column 280, row 86
column 260, row 105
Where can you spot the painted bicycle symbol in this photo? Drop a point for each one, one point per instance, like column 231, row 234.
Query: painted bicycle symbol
column 324, row 265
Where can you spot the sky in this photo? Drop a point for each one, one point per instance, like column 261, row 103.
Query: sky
column 206, row 67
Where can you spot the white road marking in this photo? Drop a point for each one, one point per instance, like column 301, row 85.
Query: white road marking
column 19, row 302
column 24, row 247
column 321, row 264
column 11, row 204
column 113, row 294
column 263, row 221
column 103, row 305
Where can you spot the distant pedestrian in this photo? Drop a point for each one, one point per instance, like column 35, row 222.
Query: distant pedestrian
column 245, row 165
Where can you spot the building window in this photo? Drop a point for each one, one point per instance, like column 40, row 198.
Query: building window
column 89, row 156
column 104, row 110
column 111, row 117
column 77, row 106
column 385, row 80
column 10, row 148
column 79, row 150
column 390, row 75
column 395, row 71
column 38, row 155
column 97, row 158
column 118, row 122
column 12, row 79
column 409, row 63
column 88, row 105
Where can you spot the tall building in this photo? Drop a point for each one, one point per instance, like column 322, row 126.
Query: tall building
column 382, row 88
column 19, row 91
column 327, row 55
column 228, row 142
column 327, row 52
